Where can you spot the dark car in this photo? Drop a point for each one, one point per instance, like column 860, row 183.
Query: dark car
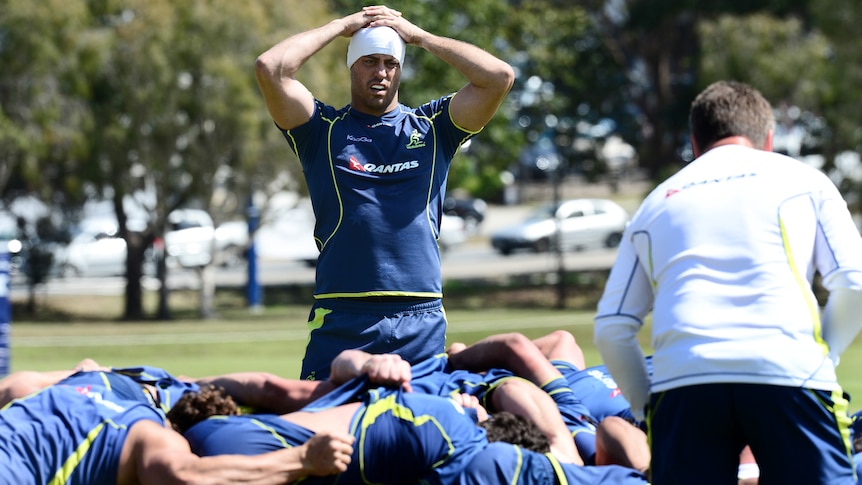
column 471, row 210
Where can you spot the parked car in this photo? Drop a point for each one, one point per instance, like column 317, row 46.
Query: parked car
column 231, row 243
column 471, row 210
column 190, row 238
column 453, row 232
column 288, row 235
column 583, row 224
column 97, row 249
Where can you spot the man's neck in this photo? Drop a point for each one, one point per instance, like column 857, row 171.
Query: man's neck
column 730, row 140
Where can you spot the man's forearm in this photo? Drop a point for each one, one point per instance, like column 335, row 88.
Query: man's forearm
column 264, row 391
column 513, row 351
column 618, row 346
column 527, row 400
column 278, row 467
column 285, row 58
column 166, row 459
column 347, row 365
column 482, row 69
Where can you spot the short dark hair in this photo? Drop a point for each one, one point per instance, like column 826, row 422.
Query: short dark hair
column 730, row 108
column 515, row 429
column 194, row 407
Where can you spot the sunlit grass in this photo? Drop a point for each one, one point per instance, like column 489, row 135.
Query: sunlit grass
column 274, row 341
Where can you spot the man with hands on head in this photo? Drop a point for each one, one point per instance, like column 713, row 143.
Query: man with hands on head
column 376, row 172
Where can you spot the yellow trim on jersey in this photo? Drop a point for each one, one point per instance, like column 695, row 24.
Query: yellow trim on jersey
column 805, row 286
column 558, row 469
column 271, row 431
column 322, row 243
column 491, row 388
column 519, row 465
column 72, row 462
column 564, row 388
column 388, row 405
column 316, row 322
column 840, row 409
column 456, row 125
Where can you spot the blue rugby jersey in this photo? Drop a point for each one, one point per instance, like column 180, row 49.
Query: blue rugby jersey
column 513, row 465
column 377, row 186
column 169, row 388
column 577, row 417
column 435, row 376
column 430, row 438
column 67, row 435
column 431, row 376
column 423, row 439
column 125, row 384
column 117, row 387
column 251, row 434
column 598, row 391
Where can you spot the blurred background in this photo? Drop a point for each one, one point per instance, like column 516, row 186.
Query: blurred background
column 136, row 154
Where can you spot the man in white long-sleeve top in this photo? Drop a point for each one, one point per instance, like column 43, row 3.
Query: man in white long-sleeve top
column 723, row 254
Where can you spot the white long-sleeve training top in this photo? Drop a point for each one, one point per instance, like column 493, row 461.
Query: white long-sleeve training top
column 723, row 253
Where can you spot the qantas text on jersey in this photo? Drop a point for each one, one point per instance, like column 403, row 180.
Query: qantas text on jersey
column 393, row 168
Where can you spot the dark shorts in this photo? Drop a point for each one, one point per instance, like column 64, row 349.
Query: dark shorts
column 415, row 331
column 797, row 435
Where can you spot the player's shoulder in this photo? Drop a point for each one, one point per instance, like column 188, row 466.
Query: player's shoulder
column 432, row 107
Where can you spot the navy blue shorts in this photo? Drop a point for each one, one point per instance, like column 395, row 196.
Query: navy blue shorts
column 415, row 331
column 797, row 435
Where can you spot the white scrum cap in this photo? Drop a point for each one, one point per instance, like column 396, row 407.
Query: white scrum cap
column 375, row 40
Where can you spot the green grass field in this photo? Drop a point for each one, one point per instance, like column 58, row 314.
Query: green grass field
column 274, row 341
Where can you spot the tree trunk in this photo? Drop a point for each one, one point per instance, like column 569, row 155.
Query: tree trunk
column 134, row 272
column 164, row 312
column 31, row 299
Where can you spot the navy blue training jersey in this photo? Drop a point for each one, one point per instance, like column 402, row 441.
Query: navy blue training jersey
column 377, row 185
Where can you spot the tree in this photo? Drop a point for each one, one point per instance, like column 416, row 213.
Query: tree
column 657, row 47
column 808, row 68
column 788, row 63
column 40, row 111
column 146, row 86
column 841, row 99
column 150, row 104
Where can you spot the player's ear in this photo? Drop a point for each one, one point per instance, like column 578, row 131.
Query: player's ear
column 767, row 145
column 694, row 148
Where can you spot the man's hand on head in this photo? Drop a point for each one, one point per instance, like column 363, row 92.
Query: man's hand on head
column 387, row 17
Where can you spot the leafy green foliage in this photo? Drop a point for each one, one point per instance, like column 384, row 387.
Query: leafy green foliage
column 117, row 97
column 736, row 48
